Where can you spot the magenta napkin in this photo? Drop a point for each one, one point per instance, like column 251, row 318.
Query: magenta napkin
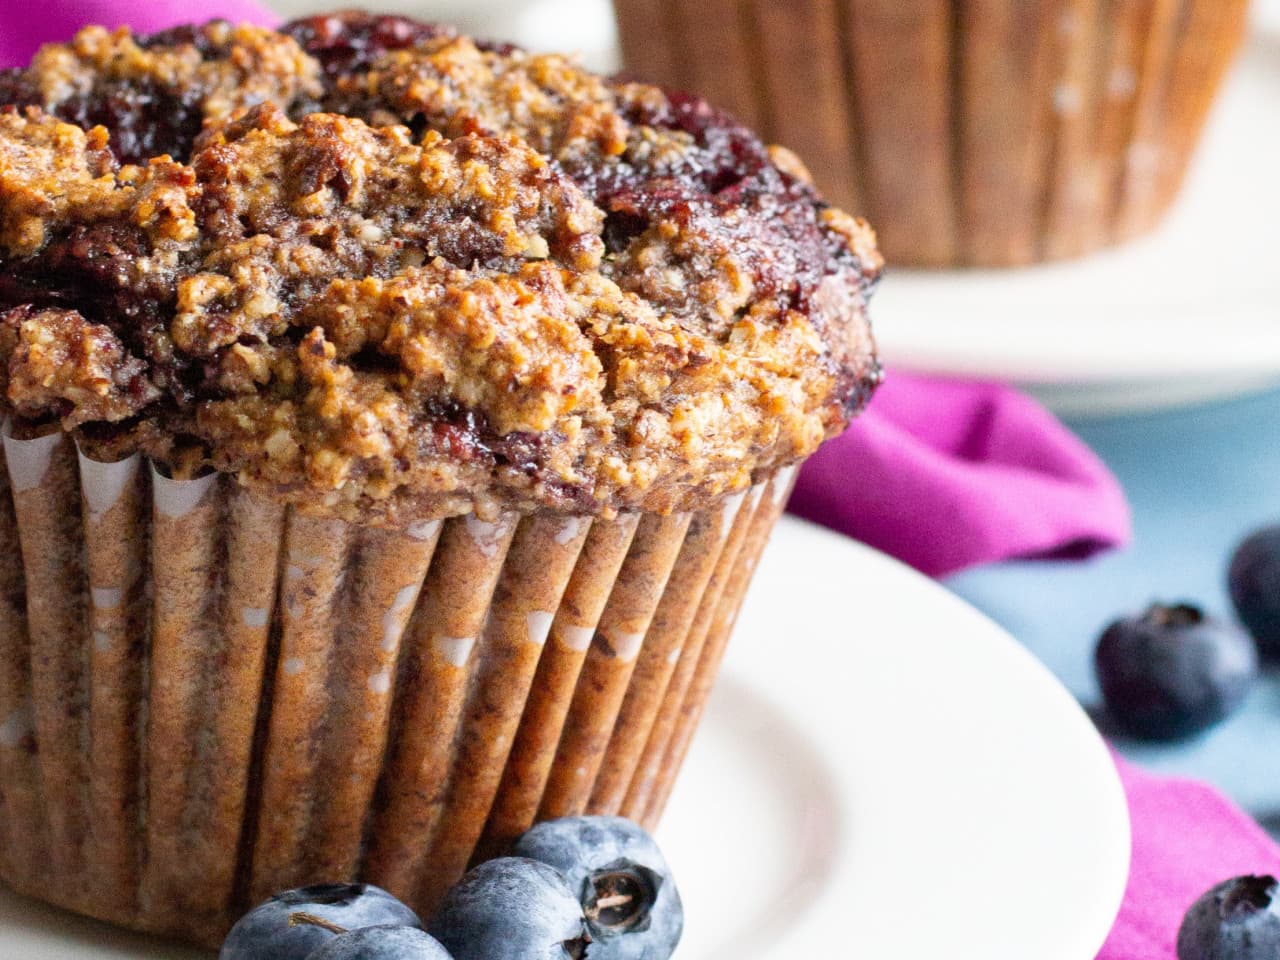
column 948, row 474
column 1187, row 837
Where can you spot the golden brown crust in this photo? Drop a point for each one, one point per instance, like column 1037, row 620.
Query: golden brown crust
column 558, row 108
column 287, row 208
column 156, row 92
column 522, row 287
column 55, row 176
column 526, row 355
column 60, row 361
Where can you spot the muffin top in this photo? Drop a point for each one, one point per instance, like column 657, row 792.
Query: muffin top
column 383, row 270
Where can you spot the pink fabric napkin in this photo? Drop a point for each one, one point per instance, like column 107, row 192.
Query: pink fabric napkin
column 1187, row 837
column 947, row 474
column 944, row 475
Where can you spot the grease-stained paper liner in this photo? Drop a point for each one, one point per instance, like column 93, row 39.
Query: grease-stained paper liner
column 969, row 133
column 690, row 683
column 115, row 541
column 768, row 507
column 437, row 671
column 207, row 697
column 46, row 499
column 534, row 751
column 213, row 576
column 610, row 661
column 663, row 645
column 23, row 836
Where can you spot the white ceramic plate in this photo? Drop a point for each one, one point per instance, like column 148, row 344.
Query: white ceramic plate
column 886, row 773
column 1189, row 312
column 883, row 773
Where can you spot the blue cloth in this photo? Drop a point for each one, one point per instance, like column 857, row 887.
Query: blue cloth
column 1198, row 481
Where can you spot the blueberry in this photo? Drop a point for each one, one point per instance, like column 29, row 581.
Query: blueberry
column 626, row 889
column 1173, row 671
column 1254, row 582
column 1239, row 919
column 290, row 926
column 512, row 909
column 382, row 943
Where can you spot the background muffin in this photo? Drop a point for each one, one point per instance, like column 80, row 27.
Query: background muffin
column 973, row 133
column 470, row 385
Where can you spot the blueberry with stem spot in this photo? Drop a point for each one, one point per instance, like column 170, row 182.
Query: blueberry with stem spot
column 512, row 909
column 1173, row 671
column 1239, row 919
column 627, row 892
column 382, row 943
column 292, row 925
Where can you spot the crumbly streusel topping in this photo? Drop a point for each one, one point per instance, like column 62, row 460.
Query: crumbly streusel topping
column 155, row 93
column 384, row 270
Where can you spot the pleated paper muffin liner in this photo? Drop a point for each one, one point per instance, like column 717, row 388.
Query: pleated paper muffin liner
column 207, row 697
column 969, row 132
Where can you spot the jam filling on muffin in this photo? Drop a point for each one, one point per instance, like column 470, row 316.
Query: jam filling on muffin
column 379, row 268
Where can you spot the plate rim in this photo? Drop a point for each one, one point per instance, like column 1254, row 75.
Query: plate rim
column 1111, row 883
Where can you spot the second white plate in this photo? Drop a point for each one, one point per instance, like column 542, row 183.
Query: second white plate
column 886, row 773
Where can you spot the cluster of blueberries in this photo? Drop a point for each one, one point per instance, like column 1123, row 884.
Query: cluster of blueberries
column 1173, row 672
column 578, row 888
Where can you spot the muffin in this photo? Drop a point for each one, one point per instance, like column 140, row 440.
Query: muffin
column 393, row 423
column 973, row 133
